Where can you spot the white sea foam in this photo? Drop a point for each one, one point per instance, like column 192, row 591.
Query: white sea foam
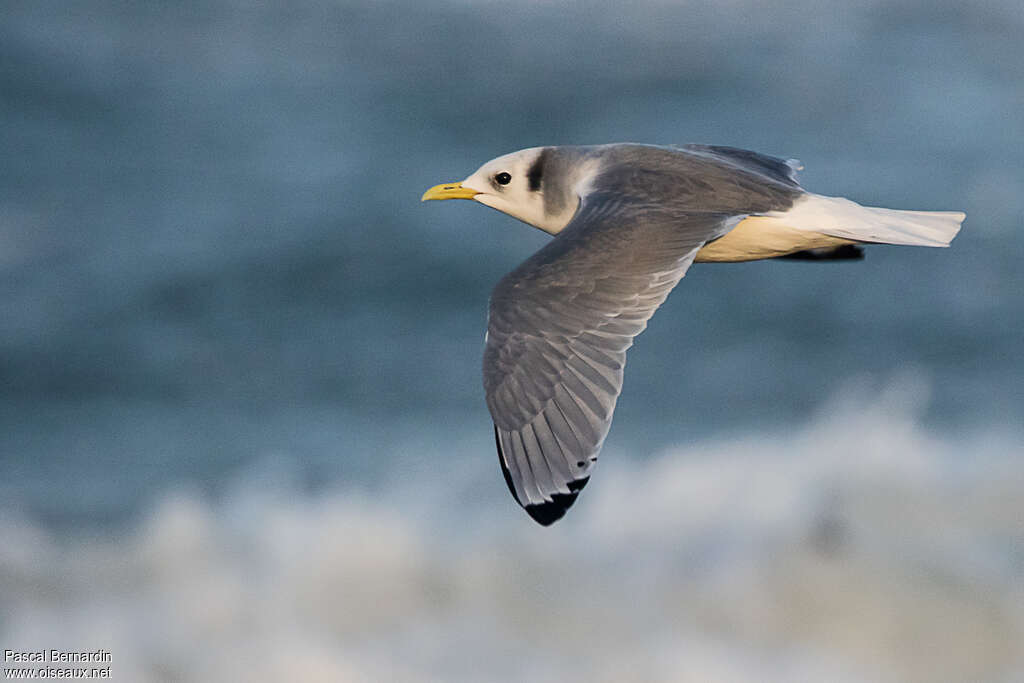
column 862, row 546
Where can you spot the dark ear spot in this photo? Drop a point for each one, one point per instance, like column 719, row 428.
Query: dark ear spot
column 536, row 173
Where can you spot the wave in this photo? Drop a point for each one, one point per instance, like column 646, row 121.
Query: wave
column 863, row 545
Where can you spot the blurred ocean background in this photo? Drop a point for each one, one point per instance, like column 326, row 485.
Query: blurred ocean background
column 242, row 428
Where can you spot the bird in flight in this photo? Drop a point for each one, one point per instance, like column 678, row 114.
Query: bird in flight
column 628, row 221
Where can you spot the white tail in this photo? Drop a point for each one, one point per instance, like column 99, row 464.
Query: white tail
column 841, row 217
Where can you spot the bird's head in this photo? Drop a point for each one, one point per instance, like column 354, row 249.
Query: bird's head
column 529, row 185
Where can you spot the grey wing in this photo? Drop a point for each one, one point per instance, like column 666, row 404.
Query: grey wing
column 781, row 170
column 558, row 330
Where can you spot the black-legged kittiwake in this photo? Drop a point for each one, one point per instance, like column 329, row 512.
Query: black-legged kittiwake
column 628, row 221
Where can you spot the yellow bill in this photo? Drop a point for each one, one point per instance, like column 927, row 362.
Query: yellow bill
column 449, row 191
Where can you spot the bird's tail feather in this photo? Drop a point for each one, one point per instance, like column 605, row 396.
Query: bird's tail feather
column 843, row 218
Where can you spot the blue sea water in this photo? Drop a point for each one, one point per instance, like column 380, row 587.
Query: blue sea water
column 241, row 417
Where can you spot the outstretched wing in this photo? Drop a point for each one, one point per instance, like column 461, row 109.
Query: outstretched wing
column 558, row 331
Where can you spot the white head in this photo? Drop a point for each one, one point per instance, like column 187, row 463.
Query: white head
column 526, row 185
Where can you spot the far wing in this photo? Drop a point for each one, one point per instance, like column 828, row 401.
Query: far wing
column 558, row 331
column 780, row 170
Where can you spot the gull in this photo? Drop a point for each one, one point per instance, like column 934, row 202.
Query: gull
column 628, row 221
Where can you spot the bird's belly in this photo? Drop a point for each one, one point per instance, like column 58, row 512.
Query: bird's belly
column 760, row 237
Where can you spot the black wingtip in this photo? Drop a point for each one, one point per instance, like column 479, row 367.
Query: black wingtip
column 547, row 513
column 844, row 252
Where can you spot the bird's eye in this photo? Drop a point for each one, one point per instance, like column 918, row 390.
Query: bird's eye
column 503, row 178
